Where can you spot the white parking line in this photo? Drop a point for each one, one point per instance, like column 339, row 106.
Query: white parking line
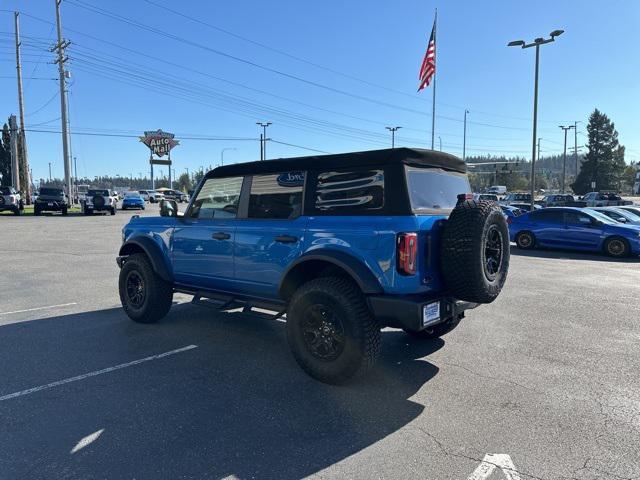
column 93, row 374
column 39, row 308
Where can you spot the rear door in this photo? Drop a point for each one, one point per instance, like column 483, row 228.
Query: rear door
column 203, row 240
column 271, row 236
column 548, row 226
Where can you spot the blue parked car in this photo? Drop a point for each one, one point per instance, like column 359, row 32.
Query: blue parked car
column 576, row 229
column 133, row 200
column 343, row 244
column 510, row 211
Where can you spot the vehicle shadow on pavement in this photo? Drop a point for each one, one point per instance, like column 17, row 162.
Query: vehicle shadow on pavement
column 236, row 405
column 571, row 255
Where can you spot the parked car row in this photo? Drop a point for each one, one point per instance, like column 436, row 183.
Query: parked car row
column 612, row 230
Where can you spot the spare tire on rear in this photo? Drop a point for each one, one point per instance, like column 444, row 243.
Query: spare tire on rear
column 474, row 252
column 98, row 201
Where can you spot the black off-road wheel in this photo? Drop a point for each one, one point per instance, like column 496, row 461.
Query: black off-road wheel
column 36, row 210
column 145, row 297
column 65, row 211
column 616, row 247
column 475, row 251
column 525, row 240
column 17, row 211
column 331, row 332
column 436, row 331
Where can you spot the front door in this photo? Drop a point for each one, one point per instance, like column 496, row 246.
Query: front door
column 581, row 230
column 203, row 240
column 272, row 235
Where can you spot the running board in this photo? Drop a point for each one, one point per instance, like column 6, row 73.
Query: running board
column 224, row 303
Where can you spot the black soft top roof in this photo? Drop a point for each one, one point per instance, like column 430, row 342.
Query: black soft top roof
column 409, row 156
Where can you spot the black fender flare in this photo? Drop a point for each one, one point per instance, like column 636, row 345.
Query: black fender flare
column 153, row 252
column 361, row 274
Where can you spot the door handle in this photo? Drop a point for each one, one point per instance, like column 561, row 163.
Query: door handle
column 286, row 239
column 220, row 236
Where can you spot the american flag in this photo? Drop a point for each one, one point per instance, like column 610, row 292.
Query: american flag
column 428, row 68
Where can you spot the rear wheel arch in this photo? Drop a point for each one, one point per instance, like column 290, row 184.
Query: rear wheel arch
column 152, row 251
column 336, row 264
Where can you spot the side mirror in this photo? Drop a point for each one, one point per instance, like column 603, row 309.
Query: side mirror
column 168, row 208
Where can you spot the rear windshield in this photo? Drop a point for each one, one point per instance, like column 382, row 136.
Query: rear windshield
column 50, row 191
column 433, row 190
column 132, row 195
column 104, row 193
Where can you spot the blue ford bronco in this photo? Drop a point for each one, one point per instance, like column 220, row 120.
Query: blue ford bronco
column 343, row 245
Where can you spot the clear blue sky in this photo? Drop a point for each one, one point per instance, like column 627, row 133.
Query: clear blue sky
column 594, row 64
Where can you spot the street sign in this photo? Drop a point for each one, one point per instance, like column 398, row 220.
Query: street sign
column 160, row 143
column 593, row 185
column 157, row 161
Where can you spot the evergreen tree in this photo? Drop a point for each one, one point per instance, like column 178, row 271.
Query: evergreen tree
column 5, row 157
column 604, row 162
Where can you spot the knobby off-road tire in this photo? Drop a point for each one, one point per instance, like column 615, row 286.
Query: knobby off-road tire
column 475, row 251
column 331, row 332
column 98, row 201
column 145, row 297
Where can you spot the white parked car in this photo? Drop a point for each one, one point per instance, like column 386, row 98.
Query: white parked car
column 144, row 194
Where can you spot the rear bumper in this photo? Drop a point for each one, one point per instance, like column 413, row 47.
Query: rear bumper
column 406, row 311
column 55, row 206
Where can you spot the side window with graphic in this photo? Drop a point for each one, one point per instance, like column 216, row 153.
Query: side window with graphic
column 218, row 198
column 350, row 190
column 276, row 196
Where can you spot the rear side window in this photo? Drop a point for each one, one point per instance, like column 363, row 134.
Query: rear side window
column 433, row 190
column 276, row 196
column 350, row 191
column 551, row 216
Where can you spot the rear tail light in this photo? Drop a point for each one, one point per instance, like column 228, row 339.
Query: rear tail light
column 407, row 253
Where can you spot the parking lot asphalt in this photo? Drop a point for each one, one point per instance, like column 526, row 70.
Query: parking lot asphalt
column 547, row 374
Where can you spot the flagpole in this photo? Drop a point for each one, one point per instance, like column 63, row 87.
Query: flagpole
column 435, row 74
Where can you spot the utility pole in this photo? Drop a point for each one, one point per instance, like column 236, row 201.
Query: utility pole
column 263, row 139
column 62, row 58
column 564, row 158
column 75, row 171
column 49, row 171
column 464, row 137
column 393, row 131
column 23, row 138
column 536, row 43
column 440, row 140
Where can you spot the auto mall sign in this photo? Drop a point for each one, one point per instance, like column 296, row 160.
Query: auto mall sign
column 160, row 143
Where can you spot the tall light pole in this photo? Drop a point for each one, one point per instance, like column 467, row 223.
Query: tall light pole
column 227, row 149
column 393, row 131
column 564, row 157
column 440, row 140
column 464, row 137
column 536, row 43
column 263, row 141
column 49, row 171
column 575, row 144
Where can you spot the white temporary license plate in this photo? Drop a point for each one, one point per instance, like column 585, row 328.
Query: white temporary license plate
column 430, row 314
column 50, row 204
